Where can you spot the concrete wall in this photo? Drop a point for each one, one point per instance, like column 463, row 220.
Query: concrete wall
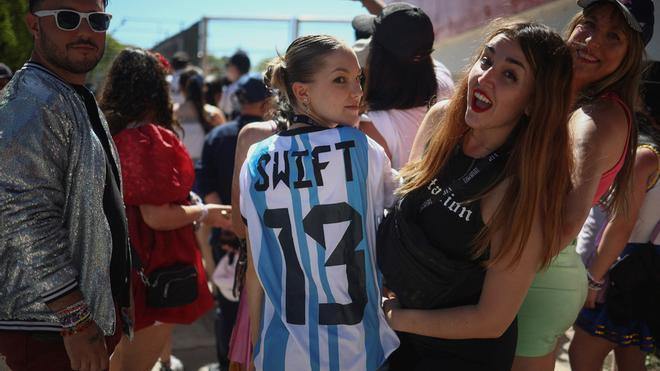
column 456, row 51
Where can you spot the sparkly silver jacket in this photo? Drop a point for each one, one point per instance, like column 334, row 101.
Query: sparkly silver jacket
column 54, row 235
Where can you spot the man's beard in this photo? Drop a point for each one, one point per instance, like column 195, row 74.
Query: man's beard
column 59, row 58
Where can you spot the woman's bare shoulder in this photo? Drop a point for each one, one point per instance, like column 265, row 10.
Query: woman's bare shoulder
column 602, row 115
column 255, row 132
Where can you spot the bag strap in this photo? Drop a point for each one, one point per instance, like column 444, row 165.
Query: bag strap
column 137, row 264
column 477, row 167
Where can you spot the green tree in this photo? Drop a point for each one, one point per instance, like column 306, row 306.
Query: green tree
column 15, row 39
column 263, row 64
column 216, row 65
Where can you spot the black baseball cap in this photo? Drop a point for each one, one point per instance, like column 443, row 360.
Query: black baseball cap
column 402, row 29
column 363, row 25
column 638, row 14
column 251, row 89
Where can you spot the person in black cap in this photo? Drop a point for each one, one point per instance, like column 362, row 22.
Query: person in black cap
column 215, row 182
column 401, row 28
column 237, row 66
column 607, row 39
column 402, row 80
column 618, row 243
column 5, row 75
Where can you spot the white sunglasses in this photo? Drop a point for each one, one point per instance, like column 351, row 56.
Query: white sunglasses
column 69, row 20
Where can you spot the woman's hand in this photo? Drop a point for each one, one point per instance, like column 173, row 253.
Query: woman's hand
column 389, row 306
column 219, row 216
column 592, row 295
column 86, row 349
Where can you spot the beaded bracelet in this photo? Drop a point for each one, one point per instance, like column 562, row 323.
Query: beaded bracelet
column 75, row 320
column 75, row 307
column 79, row 328
column 593, row 283
column 74, row 315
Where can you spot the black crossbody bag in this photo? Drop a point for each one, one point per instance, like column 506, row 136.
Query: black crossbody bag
column 421, row 274
column 171, row 286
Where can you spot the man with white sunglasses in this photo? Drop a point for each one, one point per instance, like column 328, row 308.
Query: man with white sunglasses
column 64, row 253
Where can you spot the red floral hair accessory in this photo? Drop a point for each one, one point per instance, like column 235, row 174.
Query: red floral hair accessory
column 164, row 63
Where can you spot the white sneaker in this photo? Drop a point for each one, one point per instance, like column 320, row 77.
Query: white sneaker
column 175, row 365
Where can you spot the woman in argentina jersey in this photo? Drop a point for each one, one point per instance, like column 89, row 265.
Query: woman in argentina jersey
column 312, row 197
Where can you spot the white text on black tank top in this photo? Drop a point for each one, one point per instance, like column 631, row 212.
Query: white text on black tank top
column 446, row 200
column 445, row 195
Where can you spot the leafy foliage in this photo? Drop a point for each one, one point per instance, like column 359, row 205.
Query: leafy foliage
column 15, row 39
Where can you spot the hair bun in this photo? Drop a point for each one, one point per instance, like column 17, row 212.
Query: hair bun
column 275, row 76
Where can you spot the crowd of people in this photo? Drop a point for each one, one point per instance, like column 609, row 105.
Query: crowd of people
column 350, row 208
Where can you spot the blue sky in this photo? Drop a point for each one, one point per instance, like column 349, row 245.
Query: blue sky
column 144, row 23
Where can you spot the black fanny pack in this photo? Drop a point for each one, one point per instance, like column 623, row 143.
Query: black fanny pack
column 167, row 287
column 422, row 275
column 171, row 286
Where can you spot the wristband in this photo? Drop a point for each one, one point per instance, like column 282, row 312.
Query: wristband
column 593, row 283
column 204, row 214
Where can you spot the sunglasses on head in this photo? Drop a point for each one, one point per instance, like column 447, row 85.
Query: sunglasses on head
column 69, row 20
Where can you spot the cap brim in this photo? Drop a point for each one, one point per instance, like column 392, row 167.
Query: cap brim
column 632, row 22
column 364, row 23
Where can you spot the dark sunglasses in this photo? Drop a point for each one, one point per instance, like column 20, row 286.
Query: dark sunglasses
column 69, row 20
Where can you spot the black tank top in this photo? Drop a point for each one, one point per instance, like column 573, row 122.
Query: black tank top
column 451, row 220
column 448, row 214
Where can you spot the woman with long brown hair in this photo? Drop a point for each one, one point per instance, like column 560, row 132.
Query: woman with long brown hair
column 607, row 41
column 499, row 152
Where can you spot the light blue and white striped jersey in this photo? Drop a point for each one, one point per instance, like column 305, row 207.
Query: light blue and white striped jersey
column 313, row 199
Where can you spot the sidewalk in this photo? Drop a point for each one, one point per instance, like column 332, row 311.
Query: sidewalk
column 194, row 345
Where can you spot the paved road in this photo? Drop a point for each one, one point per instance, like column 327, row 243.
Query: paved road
column 195, row 345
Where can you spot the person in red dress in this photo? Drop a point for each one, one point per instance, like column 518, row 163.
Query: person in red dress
column 157, row 175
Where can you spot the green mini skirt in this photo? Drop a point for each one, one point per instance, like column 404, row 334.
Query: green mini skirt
column 552, row 304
